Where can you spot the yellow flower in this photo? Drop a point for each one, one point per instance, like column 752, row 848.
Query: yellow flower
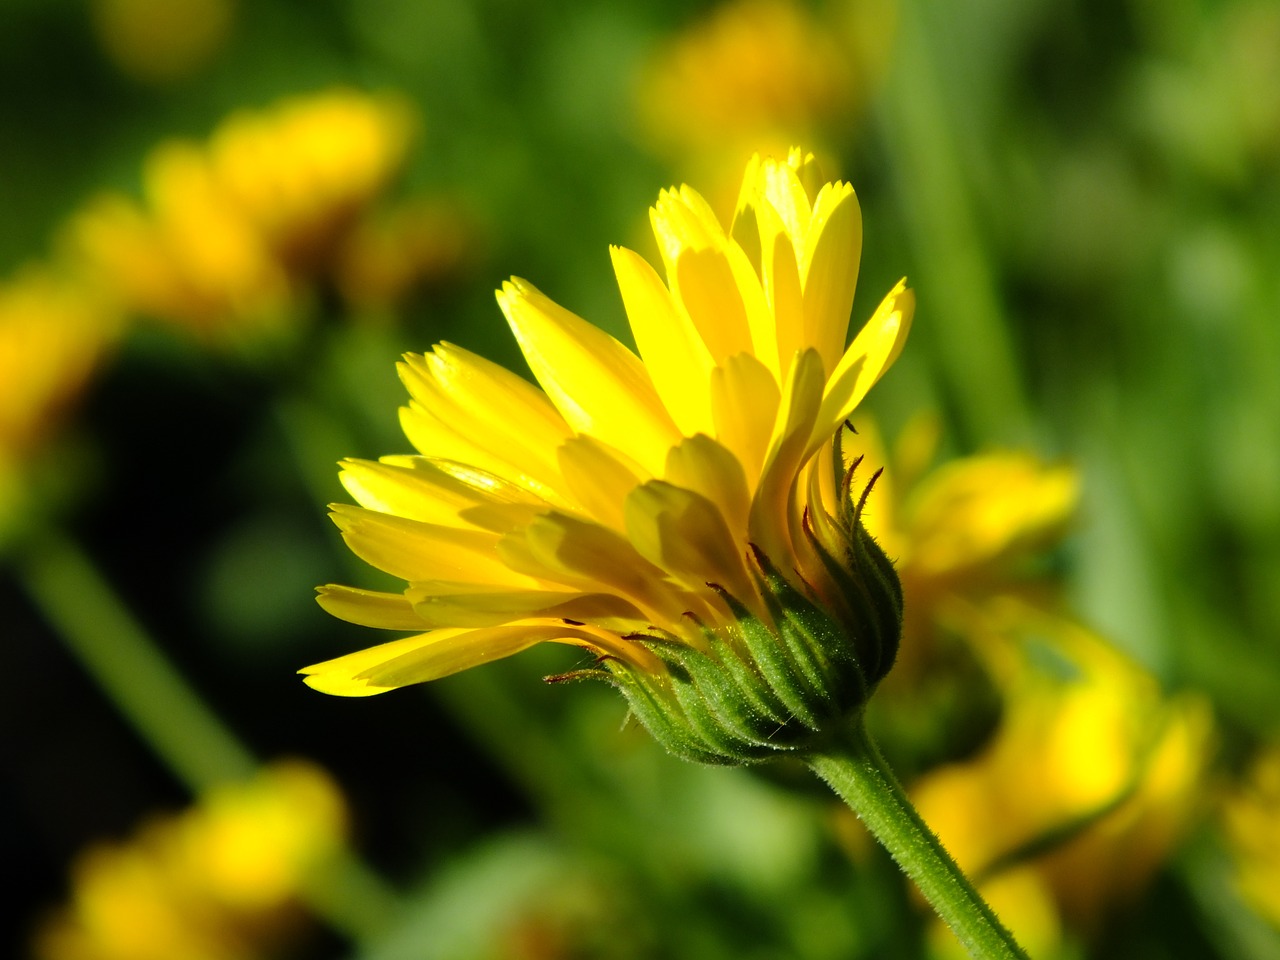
column 752, row 71
column 1251, row 815
column 231, row 232
column 676, row 507
column 213, row 883
column 421, row 243
column 1089, row 781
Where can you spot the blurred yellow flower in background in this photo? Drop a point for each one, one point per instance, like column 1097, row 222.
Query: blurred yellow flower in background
column 752, row 75
column 231, row 232
column 420, row 242
column 1251, row 817
column 54, row 331
column 219, row 882
column 162, row 41
column 1085, row 787
column 972, row 527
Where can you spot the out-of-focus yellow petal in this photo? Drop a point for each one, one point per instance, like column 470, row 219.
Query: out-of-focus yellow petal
column 979, row 510
column 599, row 386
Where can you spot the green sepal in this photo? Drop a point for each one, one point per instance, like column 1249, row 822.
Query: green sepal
column 776, row 664
column 707, row 696
column 813, row 638
column 654, row 711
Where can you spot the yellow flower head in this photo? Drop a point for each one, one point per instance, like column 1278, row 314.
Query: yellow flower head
column 231, row 231
column 686, row 516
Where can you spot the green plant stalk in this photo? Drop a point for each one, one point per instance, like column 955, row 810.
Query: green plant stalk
column 854, row 768
column 128, row 666
column 969, row 327
column 170, row 717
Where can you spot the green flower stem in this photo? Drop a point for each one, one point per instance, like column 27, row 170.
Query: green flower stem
column 856, row 771
column 169, row 715
column 131, row 670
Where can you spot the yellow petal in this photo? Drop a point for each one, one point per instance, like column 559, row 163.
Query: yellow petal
column 783, row 288
column 469, row 605
column 774, row 512
column 708, row 468
column 710, row 276
column 685, row 534
column 444, row 652
column 833, row 250
column 598, row 385
column 343, row 676
column 412, row 550
column 673, row 351
column 781, row 188
column 744, row 404
column 599, row 478
column 705, row 283
column 369, row 608
column 473, row 411
column 593, row 558
column 427, row 656
column 682, row 219
column 443, row 440
column 872, row 352
column 511, row 409
column 443, row 493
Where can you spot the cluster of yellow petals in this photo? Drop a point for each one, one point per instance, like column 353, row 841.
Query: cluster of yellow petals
column 230, row 229
column 604, row 503
column 213, row 883
column 1087, row 784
